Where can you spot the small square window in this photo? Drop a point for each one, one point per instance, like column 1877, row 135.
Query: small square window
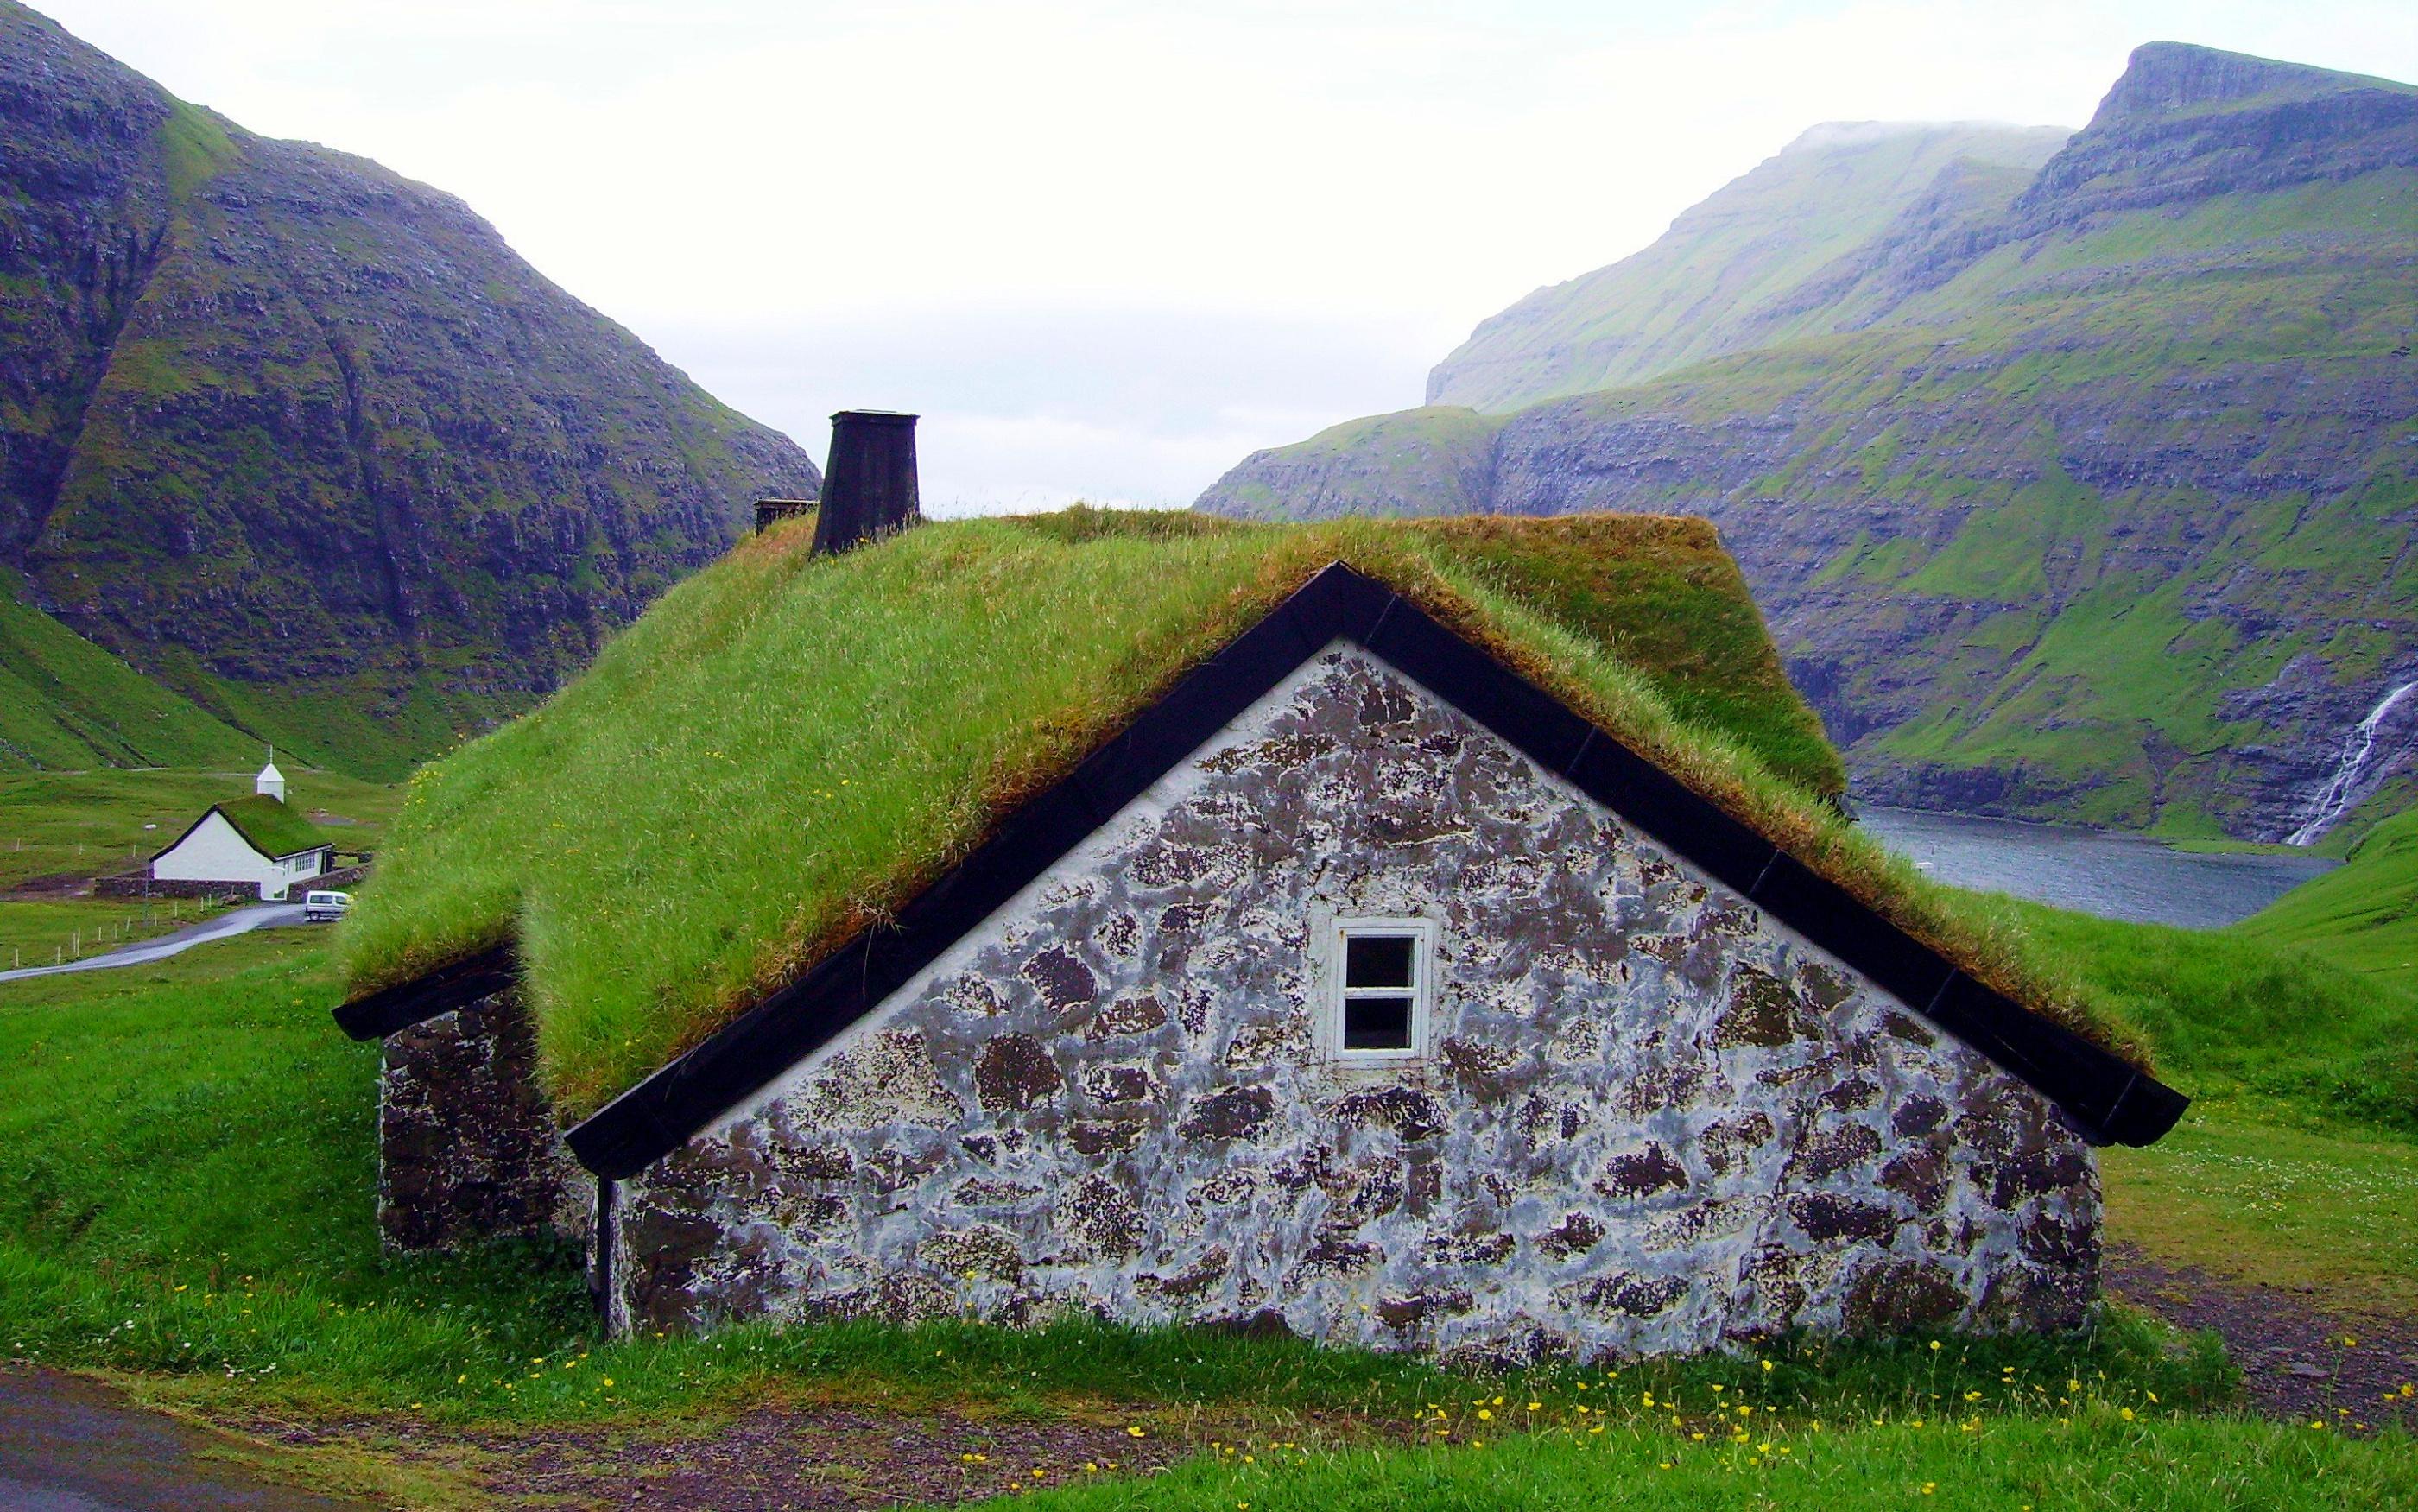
column 1381, row 987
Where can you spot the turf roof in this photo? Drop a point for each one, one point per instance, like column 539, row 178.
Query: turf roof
column 787, row 748
column 271, row 827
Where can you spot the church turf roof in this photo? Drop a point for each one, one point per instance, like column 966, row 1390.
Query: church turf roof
column 785, row 750
column 271, row 827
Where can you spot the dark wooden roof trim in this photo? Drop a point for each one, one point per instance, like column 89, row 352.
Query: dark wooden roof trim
column 422, row 998
column 2110, row 1101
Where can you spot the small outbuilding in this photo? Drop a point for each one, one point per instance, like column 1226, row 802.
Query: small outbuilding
column 251, row 842
column 1426, row 935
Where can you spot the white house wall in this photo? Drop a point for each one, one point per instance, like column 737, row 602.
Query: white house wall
column 216, row 852
column 1648, row 1120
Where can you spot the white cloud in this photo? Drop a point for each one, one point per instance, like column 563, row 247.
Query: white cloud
column 1134, row 234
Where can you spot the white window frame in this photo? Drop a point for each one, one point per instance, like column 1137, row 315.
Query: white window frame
column 1421, row 932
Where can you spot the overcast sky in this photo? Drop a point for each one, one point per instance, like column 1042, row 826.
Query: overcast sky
column 1108, row 248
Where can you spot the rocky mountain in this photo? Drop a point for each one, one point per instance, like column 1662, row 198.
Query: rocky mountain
column 304, row 441
column 1747, row 267
column 2086, row 490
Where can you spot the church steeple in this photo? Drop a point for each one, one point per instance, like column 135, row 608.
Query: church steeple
column 272, row 782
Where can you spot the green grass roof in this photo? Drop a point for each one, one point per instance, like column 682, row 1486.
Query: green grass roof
column 273, row 829
column 785, row 748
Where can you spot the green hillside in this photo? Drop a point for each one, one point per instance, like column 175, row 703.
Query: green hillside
column 1734, row 271
column 2361, row 916
column 305, row 442
column 2094, row 502
column 65, row 702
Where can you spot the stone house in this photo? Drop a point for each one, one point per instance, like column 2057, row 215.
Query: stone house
column 254, row 842
column 1357, row 985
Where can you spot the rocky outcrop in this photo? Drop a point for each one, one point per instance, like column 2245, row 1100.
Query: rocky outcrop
column 280, row 422
column 2085, row 497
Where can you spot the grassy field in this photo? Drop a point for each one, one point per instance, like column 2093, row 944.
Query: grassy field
column 187, row 1164
column 2258, row 1196
column 187, row 1175
column 91, row 823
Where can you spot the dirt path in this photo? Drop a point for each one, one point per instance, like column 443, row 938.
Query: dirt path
column 774, row 1456
column 70, row 1444
column 2294, row 1358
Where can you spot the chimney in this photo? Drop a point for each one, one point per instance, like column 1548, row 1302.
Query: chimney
column 869, row 480
column 770, row 511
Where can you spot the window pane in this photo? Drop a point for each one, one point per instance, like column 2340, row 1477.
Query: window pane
column 1377, row 960
column 1377, row 1023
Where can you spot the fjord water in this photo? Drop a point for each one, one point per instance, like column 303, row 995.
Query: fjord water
column 2091, row 871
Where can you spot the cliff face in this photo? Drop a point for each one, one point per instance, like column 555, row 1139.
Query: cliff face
column 2087, row 495
column 305, row 441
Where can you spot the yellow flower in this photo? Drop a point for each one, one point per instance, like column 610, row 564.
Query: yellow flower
column 2126, row 1414
column 1486, row 1415
column 1135, row 1432
column 1766, row 1365
column 1533, row 1406
column 1926, row 1487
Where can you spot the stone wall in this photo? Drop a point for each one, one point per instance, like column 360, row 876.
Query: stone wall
column 467, row 1147
column 143, row 884
column 1650, row 1119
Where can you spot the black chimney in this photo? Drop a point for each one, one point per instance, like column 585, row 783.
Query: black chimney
column 869, row 480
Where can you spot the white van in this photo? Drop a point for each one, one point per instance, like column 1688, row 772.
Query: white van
column 323, row 908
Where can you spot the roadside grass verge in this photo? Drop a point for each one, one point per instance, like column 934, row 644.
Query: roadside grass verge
column 46, row 933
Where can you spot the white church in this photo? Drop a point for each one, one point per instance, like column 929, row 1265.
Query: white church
column 253, row 841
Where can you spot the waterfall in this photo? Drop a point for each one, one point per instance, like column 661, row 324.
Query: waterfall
column 2357, row 747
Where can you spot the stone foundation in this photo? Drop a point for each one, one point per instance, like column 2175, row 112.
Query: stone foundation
column 1648, row 1121
column 467, row 1148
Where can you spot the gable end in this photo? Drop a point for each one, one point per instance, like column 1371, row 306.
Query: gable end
column 2107, row 1100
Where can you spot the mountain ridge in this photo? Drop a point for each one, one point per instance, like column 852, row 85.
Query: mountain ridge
column 305, row 442
column 2089, row 497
